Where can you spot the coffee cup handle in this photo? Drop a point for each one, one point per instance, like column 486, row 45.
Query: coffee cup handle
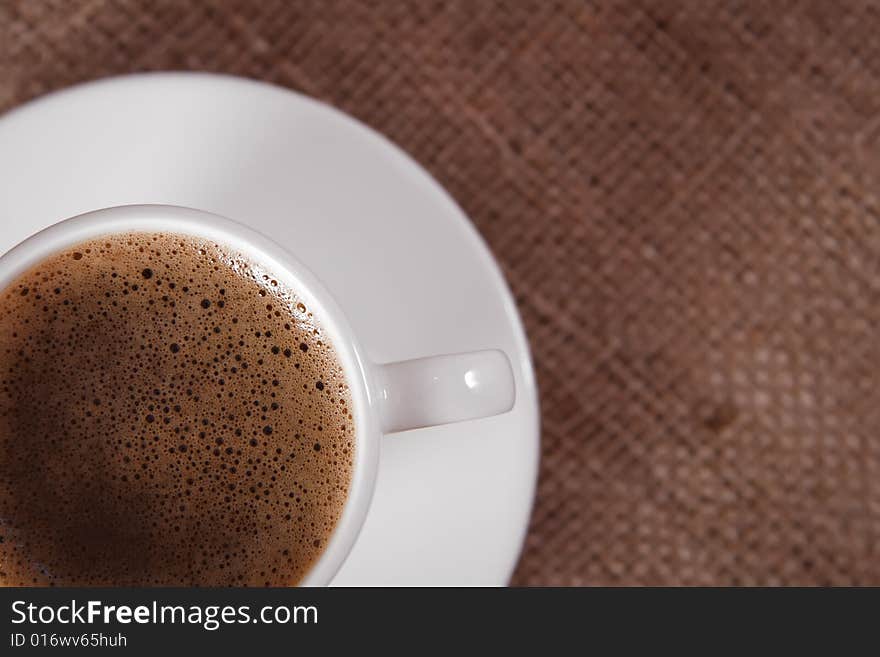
column 441, row 389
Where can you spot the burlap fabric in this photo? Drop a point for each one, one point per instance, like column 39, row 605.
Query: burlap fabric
column 684, row 198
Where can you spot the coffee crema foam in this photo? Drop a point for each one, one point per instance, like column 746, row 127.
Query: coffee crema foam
column 170, row 415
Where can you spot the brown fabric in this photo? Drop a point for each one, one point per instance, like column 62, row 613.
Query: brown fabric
column 685, row 197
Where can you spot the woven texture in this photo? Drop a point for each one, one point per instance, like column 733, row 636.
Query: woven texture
column 684, row 198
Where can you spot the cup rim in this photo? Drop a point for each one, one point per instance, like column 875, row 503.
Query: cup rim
column 268, row 254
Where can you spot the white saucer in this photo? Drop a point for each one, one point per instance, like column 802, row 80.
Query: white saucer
column 409, row 270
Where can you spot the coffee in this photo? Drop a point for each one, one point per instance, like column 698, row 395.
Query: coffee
column 170, row 414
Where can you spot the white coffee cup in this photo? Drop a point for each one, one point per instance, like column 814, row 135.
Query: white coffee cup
column 386, row 397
